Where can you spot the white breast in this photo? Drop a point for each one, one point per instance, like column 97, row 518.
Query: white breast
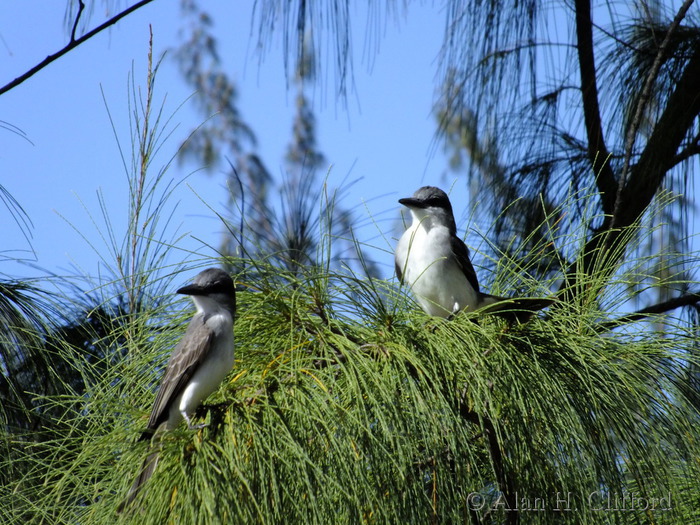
column 212, row 370
column 428, row 265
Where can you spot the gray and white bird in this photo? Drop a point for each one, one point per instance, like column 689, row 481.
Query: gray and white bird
column 197, row 365
column 435, row 263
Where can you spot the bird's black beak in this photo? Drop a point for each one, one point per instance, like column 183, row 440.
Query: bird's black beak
column 192, row 289
column 412, row 203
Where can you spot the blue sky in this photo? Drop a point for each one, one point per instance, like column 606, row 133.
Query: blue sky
column 383, row 134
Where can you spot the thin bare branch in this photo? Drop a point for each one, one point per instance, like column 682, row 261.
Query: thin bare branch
column 688, row 299
column 693, row 148
column 598, row 153
column 81, row 7
column 71, row 45
column 684, row 155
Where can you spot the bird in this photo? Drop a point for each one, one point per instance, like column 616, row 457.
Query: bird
column 197, row 365
column 435, row 263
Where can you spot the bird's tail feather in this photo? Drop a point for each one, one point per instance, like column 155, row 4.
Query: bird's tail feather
column 520, row 309
column 147, row 468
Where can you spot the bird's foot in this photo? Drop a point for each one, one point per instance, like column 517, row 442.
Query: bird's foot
column 190, row 425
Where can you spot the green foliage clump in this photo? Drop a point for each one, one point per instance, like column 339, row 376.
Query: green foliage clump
column 340, row 412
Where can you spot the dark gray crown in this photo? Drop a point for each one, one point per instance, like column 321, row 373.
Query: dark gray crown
column 210, row 281
column 428, row 197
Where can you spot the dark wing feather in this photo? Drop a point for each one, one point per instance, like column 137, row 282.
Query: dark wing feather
column 520, row 309
column 399, row 273
column 462, row 254
column 181, row 367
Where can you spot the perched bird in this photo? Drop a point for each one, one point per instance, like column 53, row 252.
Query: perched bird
column 197, row 365
column 435, row 263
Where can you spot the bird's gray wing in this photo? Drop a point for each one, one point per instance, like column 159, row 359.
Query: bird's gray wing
column 461, row 253
column 182, row 365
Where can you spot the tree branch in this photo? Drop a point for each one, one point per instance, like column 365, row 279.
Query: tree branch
column 505, row 483
column 646, row 176
column 642, row 102
column 684, row 155
column 681, row 110
column 598, row 153
column 693, row 148
column 688, row 299
column 72, row 45
column 81, row 6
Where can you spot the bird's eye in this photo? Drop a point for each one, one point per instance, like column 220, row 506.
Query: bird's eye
column 221, row 287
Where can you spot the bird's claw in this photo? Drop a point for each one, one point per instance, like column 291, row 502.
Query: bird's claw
column 190, row 425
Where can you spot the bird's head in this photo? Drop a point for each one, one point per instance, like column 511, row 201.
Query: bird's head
column 430, row 203
column 212, row 288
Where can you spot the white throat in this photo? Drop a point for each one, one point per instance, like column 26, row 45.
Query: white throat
column 208, row 304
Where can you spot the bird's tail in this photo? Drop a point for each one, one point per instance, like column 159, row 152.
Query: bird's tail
column 147, row 468
column 520, row 309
